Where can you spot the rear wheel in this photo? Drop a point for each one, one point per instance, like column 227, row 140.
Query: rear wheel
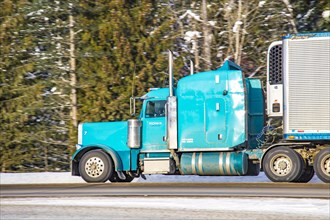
column 282, row 164
column 307, row 172
column 95, row 166
column 306, row 176
column 322, row 165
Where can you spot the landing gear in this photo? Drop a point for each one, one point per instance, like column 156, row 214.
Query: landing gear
column 322, row 165
column 95, row 166
column 283, row 164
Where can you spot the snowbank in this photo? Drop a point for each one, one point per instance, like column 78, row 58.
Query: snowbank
column 164, row 208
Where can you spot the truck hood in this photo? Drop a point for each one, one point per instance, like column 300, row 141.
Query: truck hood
column 112, row 134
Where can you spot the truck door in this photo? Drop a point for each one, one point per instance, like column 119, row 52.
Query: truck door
column 153, row 127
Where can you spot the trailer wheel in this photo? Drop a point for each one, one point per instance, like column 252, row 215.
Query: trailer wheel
column 115, row 178
column 322, row 165
column 95, row 166
column 282, row 164
column 306, row 176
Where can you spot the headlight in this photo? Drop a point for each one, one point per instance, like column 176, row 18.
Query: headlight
column 80, row 130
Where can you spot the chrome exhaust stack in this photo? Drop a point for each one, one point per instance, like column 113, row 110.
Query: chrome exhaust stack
column 191, row 67
column 172, row 118
column 170, row 71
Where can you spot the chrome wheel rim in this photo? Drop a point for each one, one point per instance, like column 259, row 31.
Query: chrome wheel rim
column 281, row 165
column 325, row 165
column 94, row 167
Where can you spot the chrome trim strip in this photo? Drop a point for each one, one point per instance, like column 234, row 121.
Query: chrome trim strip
column 206, row 149
column 221, row 163
column 285, row 66
column 155, row 151
column 200, row 163
column 228, row 164
column 156, row 158
column 193, row 163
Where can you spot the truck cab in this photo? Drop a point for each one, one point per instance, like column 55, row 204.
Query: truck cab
column 204, row 118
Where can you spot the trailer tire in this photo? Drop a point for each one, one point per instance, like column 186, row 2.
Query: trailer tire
column 283, row 164
column 307, row 172
column 306, row 176
column 322, row 165
column 96, row 166
column 115, row 178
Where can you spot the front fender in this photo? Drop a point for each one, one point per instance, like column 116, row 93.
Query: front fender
column 79, row 153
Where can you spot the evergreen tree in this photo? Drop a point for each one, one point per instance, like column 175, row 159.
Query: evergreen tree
column 64, row 62
column 131, row 40
column 43, row 87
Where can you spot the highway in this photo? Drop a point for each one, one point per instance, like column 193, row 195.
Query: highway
column 274, row 190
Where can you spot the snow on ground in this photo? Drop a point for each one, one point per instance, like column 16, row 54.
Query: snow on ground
column 308, row 206
column 206, row 208
column 155, row 207
column 65, row 177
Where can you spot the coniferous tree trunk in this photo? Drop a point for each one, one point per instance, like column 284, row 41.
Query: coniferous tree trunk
column 238, row 33
column 207, row 37
column 73, row 77
column 291, row 18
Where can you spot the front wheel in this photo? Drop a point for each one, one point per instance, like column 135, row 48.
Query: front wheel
column 322, row 165
column 95, row 166
column 282, row 164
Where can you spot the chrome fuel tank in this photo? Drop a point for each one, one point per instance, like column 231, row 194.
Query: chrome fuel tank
column 214, row 163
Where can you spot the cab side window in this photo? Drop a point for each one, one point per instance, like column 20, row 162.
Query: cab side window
column 155, row 109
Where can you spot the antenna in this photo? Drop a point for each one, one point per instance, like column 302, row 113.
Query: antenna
column 133, row 80
column 132, row 99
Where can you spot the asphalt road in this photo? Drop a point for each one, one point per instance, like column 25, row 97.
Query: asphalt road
column 279, row 190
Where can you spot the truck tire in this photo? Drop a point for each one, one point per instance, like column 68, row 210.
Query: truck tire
column 306, row 176
column 322, row 165
column 96, row 166
column 115, row 178
column 307, row 173
column 282, row 164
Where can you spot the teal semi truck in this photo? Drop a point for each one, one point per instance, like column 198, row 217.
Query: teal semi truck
column 212, row 123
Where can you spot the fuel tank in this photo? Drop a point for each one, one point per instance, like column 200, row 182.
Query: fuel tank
column 214, row 163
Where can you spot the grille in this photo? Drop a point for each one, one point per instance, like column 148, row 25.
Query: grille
column 275, row 65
